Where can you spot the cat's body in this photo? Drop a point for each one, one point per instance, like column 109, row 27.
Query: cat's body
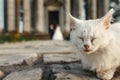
column 99, row 44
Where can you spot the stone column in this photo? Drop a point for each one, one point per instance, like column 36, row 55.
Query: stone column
column 103, row 6
column 80, row 9
column 1, row 15
column 40, row 14
column 27, row 15
column 11, row 15
column 75, row 8
column 100, row 8
column 106, row 6
column 91, row 9
column 67, row 6
column 18, row 2
column 94, row 9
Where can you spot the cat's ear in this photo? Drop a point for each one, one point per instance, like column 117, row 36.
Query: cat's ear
column 73, row 21
column 106, row 20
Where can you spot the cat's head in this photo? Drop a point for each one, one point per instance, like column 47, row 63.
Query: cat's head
column 91, row 35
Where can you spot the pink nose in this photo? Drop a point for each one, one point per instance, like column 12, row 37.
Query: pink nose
column 86, row 46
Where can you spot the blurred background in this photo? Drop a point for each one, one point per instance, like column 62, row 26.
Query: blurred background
column 37, row 19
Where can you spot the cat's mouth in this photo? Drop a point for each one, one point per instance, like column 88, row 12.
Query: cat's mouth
column 87, row 50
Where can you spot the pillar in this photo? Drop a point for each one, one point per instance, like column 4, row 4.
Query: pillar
column 99, row 8
column 11, row 15
column 91, row 9
column 17, row 21
column 80, row 8
column 75, row 8
column 1, row 15
column 40, row 14
column 94, row 9
column 5, row 16
column 102, row 7
column 106, row 6
column 27, row 16
column 67, row 6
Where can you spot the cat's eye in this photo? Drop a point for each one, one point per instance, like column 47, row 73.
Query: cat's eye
column 72, row 29
column 92, row 39
column 81, row 38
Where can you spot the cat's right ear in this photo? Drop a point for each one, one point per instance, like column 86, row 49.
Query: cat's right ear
column 73, row 21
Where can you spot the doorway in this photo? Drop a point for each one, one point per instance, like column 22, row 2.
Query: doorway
column 53, row 17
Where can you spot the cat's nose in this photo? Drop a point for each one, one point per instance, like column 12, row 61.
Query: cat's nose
column 86, row 46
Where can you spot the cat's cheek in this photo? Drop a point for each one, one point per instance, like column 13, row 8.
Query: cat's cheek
column 79, row 41
column 95, row 42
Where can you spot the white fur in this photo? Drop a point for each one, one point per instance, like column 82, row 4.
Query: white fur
column 104, row 53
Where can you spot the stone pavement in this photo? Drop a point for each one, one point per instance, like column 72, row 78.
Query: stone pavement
column 42, row 60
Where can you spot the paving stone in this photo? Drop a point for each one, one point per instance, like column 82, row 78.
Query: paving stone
column 38, row 47
column 33, row 74
column 66, row 76
column 51, row 52
column 71, row 71
column 34, row 44
column 16, row 59
column 70, row 76
column 1, row 74
column 61, row 57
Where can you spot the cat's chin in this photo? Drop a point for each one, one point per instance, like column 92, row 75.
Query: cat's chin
column 88, row 51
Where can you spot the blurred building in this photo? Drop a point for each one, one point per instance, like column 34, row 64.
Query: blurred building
column 37, row 15
column 1, row 15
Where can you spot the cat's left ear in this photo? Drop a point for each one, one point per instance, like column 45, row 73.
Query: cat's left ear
column 106, row 20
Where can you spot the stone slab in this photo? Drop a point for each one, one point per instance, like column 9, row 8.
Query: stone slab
column 38, row 47
column 2, row 74
column 17, row 59
column 73, row 71
column 61, row 57
column 70, row 76
column 33, row 74
column 52, row 51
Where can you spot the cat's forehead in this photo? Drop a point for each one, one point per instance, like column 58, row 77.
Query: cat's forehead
column 89, row 23
column 88, row 27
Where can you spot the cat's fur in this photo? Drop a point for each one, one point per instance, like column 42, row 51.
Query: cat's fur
column 102, row 53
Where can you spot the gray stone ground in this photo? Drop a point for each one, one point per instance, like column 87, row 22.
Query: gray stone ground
column 42, row 60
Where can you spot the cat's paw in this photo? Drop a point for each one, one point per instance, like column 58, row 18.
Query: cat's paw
column 105, row 75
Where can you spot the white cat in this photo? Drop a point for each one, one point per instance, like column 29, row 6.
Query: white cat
column 98, row 43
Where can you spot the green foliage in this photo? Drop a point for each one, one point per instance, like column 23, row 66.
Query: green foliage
column 14, row 37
